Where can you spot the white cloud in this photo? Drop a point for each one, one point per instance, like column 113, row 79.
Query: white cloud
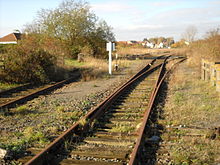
column 214, row 2
column 171, row 23
column 110, row 7
column 163, row 4
column 139, row 32
column 142, row 27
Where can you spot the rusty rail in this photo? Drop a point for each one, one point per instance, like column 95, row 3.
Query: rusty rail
column 14, row 89
column 43, row 156
column 136, row 151
column 35, row 94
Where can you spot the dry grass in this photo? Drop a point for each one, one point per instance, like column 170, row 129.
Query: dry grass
column 191, row 102
column 122, row 51
column 208, row 49
column 98, row 68
column 123, row 127
column 194, row 98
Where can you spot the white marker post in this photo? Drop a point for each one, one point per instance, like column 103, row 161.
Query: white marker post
column 110, row 48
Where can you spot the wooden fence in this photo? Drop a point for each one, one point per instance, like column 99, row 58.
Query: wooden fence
column 2, row 66
column 210, row 71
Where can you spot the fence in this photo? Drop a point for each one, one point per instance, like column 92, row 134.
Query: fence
column 210, row 71
column 2, row 65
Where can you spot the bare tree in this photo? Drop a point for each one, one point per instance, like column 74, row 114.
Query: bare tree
column 189, row 34
column 212, row 33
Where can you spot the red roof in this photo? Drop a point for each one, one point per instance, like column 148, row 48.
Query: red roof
column 13, row 37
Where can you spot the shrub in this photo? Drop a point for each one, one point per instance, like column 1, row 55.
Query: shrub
column 208, row 48
column 28, row 62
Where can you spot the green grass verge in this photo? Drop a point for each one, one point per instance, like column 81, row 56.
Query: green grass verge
column 73, row 63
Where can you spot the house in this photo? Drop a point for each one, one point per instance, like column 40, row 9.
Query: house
column 148, row 44
column 131, row 42
column 10, row 38
column 159, row 46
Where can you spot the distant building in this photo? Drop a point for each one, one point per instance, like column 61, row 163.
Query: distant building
column 161, row 45
column 10, row 38
column 131, row 42
column 150, row 45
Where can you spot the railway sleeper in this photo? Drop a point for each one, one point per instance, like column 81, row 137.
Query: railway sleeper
column 127, row 110
column 107, row 154
column 118, row 137
column 134, row 99
column 138, row 94
column 89, row 146
column 118, row 128
column 88, row 162
column 115, row 123
column 125, row 120
column 124, row 115
column 126, row 106
column 107, row 141
column 106, row 119
column 140, row 86
column 115, row 134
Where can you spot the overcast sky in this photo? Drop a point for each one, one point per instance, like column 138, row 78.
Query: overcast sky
column 131, row 19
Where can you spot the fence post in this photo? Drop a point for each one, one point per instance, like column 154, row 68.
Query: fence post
column 218, row 80
column 203, row 70
column 213, row 74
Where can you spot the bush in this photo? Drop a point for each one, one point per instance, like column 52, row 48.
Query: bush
column 28, row 62
column 208, row 48
column 179, row 44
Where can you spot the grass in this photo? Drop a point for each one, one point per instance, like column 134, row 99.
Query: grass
column 60, row 109
column 24, row 140
column 48, row 120
column 74, row 63
column 122, row 51
column 93, row 68
column 83, row 122
column 191, row 102
column 5, row 86
column 207, row 48
column 22, row 109
column 123, row 127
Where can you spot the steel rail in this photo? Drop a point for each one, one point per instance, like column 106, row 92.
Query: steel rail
column 135, row 153
column 33, row 95
column 13, row 89
column 42, row 157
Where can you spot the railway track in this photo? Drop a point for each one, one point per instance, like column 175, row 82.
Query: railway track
column 19, row 95
column 112, row 133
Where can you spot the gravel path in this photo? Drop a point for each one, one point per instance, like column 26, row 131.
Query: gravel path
column 52, row 114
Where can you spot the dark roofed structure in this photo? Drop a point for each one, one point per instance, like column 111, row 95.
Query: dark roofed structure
column 10, row 38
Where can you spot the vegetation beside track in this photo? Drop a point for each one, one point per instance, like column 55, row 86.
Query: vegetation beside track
column 207, row 48
column 5, row 86
column 50, row 115
column 190, row 118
